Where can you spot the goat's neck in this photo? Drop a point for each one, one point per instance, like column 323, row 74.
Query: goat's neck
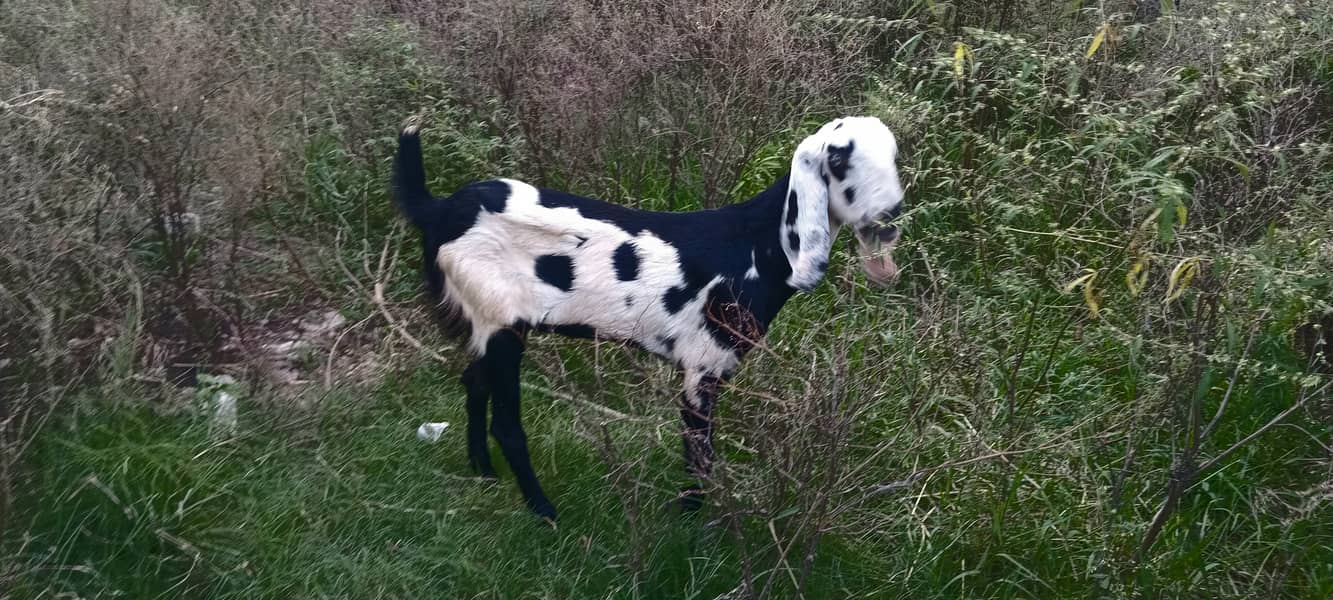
column 762, row 218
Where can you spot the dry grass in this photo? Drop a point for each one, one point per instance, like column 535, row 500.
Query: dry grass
column 185, row 183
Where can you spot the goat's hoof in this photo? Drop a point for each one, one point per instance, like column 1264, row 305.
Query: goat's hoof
column 545, row 511
column 484, row 470
column 691, row 499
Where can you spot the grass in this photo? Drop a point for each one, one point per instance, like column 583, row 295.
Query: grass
column 344, row 501
column 1015, row 418
column 346, row 504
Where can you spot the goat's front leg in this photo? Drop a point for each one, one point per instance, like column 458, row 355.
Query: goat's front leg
column 504, row 352
column 696, row 411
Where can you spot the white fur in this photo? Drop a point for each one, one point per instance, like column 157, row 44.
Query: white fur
column 812, row 217
column 490, row 270
column 490, row 277
column 752, row 273
column 823, row 208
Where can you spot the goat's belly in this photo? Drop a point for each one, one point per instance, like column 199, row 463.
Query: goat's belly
column 638, row 314
column 622, row 313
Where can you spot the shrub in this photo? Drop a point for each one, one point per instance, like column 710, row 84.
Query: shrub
column 670, row 99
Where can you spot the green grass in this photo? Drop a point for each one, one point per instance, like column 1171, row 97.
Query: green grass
column 1031, row 433
column 348, row 503
column 343, row 501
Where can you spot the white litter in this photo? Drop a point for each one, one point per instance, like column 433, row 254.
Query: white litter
column 431, row 432
column 218, row 394
column 224, row 415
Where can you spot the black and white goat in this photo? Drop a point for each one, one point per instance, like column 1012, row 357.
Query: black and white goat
column 699, row 288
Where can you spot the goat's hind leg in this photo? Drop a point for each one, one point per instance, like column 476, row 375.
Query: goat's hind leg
column 478, row 393
column 504, row 352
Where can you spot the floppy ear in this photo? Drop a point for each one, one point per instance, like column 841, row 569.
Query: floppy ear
column 806, row 238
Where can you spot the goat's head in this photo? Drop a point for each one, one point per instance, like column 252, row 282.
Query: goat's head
column 844, row 174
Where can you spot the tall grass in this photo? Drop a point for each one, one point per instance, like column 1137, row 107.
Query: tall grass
column 1100, row 375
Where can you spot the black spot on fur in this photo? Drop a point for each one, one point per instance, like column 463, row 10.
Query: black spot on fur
column 493, row 196
column 557, row 270
column 851, row 195
column 629, row 301
column 582, row 241
column 896, row 211
column 822, row 265
column 791, row 208
column 576, row 331
column 669, row 343
column 840, row 159
column 838, row 126
column 677, row 297
column 793, row 241
column 626, row 262
column 729, row 323
column 883, row 235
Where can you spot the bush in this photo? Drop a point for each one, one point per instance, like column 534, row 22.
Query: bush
column 1098, row 375
column 670, row 99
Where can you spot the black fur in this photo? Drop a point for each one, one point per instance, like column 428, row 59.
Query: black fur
column 668, row 343
column 500, row 366
column 626, row 262
column 840, row 159
column 677, row 297
column 556, row 270
column 731, row 324
column 698, row 431
column 711, row 244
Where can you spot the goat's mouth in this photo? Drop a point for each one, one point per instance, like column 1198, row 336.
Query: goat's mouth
column 876, row 244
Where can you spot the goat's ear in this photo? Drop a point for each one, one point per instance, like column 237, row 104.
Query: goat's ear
column 806, row 237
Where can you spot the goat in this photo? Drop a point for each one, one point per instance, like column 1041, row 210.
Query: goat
column 503, row 258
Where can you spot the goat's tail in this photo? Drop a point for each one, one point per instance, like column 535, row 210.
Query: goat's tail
column 409, row 177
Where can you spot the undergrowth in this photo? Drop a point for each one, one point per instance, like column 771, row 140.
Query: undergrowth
column 1102, row 373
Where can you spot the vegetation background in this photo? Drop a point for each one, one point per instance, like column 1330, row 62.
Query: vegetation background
column 1102, row 373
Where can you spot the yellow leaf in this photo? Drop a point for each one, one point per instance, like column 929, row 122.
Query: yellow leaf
column 1181, row 276
column 1137, row 276
column 1089, row 295
column 1098, row 39
column 1091, row 299
column 1180, row 214
column 960, row 52
column 1152, row 218
column 1073, row 285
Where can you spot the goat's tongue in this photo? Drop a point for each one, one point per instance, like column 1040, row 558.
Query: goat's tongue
column 880, row 269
